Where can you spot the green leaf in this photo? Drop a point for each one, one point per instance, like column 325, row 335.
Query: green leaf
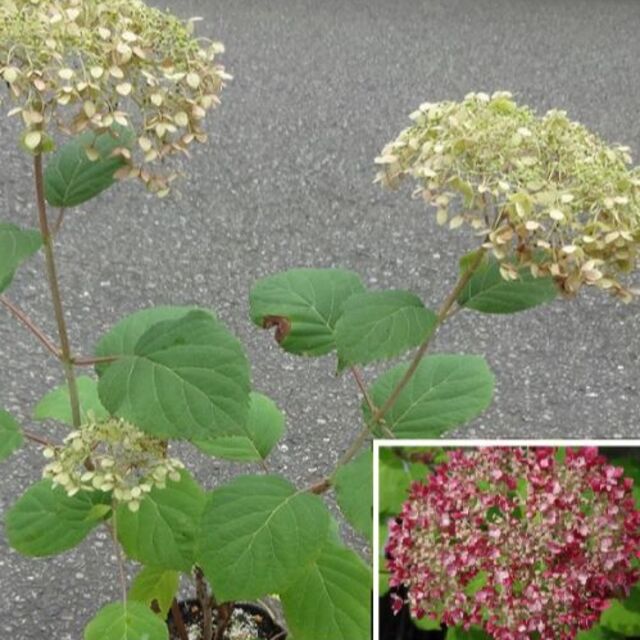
column 163, row 532
column 599, row 633
column 631, row 466
column 489, row 292
column 263, row 428
column 46, row 521
column 445, row 391
column 304, row 305
column 258, row 535
column 57, row 405
column 332, row 599
column 476, row 583
column 624, row 616
column 125, row 334
column 153, row 584
column 354, row 492
column 126, row 621
column 395, row 477
column 16, row 245
column 427, row 624
column 70, row 178
column 10, row 435
column 381, row 324
column 186, row 378
column 383, row 582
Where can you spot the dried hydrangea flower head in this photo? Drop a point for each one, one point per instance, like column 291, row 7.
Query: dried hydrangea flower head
column 544, row 191
column 106, row 62
column 518, row 541
column 125, row 461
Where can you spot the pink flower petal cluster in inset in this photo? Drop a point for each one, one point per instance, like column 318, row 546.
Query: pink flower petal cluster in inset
column 518, row 541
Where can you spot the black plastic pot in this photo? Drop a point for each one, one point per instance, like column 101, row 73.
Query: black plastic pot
column 268, row 628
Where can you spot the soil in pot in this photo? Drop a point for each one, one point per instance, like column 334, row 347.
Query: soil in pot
column 248, row 622
column 401, row 627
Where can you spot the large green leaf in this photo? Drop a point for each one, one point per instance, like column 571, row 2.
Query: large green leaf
column 185, row 378
column 153, row 584
column 332, row 599
column 354, row 492
column 445, row 391
column 124, row 336
column 70, row 178
column 258, row 535
column 623, row 616
column 163, row 532
column 489, row 292
column 10, row 434
column 263, row 428
column 126, row 621
column 57, row 405
column 381, row 324
column 304, row 305
column 46, row 521
column 16, row 245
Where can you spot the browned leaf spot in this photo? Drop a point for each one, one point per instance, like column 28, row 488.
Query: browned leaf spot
column 283, row 326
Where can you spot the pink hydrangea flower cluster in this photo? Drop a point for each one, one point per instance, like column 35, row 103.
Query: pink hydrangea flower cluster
column 523, row 542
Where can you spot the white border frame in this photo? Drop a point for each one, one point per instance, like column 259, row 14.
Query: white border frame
column 378, row 444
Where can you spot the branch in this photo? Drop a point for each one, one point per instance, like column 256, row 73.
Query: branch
column 34, row 437
column 120, row 561
column 22, row 317
column 54, row 287
column 357, row 376
column 58, row 223
column 90, row 361
column 378, row 414
column 176, row 614
column 441, row 318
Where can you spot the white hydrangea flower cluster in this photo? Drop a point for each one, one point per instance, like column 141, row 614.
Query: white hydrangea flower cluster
column 123, row 460
column 89, row 64
column 545, row 192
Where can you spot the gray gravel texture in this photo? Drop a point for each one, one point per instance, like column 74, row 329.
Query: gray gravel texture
column 320, row 86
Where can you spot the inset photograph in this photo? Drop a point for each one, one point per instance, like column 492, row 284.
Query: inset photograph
column 512, row 541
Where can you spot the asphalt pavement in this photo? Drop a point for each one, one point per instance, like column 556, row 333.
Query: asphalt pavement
column 287, row 180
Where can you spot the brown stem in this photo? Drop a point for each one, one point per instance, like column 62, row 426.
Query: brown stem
column 224, row 619
column 450, row 300
column 90, row 361
column 56, row 298
column 206, row 603
column 178, row 620
column 357, row 376
column 34, row 437
column 21, row 316
column 58, row 223
column 116, row 546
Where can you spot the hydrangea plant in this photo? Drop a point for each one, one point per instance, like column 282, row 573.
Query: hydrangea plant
column 108, row 90
column 521, row 542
